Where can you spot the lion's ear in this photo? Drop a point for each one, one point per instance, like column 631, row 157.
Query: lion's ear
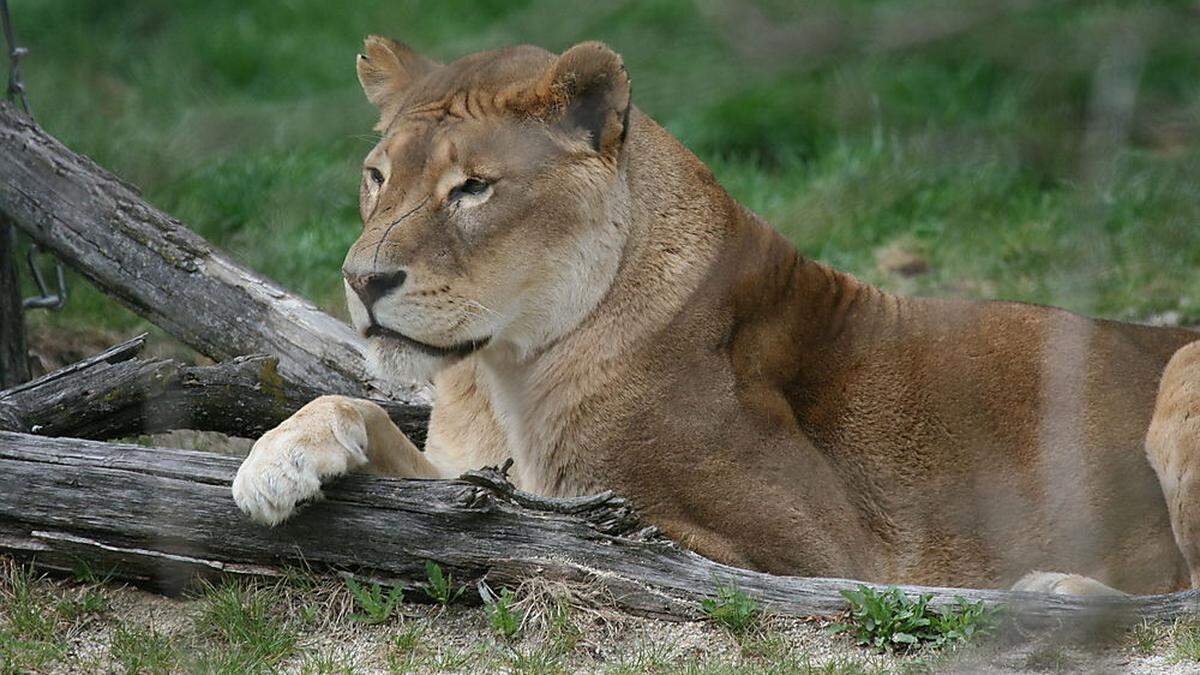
column 386, row 69
column 588, row 91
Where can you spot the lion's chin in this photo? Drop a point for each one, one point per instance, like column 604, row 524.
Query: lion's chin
column 397, row 362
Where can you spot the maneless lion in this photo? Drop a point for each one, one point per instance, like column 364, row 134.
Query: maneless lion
column 588, row 301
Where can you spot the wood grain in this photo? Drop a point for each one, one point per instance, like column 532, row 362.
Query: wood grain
column 161, row 516
column 115, row 394
column 168, row 274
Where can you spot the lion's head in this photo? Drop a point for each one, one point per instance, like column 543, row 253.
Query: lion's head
column 492, row 204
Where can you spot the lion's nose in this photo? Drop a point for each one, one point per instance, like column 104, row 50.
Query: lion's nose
column 372, row 286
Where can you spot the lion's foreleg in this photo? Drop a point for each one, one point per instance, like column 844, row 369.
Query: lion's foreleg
column 1173, row 447
column 328, row 437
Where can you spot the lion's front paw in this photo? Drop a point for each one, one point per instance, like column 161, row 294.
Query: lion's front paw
column 269, row 484
column 286, row 466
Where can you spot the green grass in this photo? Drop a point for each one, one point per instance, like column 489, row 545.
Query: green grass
column 143, row 650
column 39, row 617
column 30, row 631
column 981, row 150
column 243, row 620
column 1145, row 636
column 1185, row 641
column 325, row 664
column 47, row 624
column 562, row 630
column 536, row 661
column 404, row 652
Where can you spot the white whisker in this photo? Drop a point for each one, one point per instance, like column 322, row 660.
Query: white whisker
column 479, row 305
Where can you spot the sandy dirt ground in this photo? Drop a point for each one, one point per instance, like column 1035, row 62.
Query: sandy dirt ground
column 459, row 639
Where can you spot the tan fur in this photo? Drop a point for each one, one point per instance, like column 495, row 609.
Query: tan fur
column 1062, row 584
column 646, row 333
column 1173, row 445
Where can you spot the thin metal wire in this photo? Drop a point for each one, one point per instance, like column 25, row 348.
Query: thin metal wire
column 45, row 299
column 16, row 92
column 16, row 84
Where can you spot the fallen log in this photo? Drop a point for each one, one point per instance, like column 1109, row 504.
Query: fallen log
column 150, row 262
column 162, row 516
column 114, row 394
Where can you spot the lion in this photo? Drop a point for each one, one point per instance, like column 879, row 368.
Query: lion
column 588, row 301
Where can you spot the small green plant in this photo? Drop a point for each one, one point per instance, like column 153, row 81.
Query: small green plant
column 889, row 619
column 310, row 614
column 502, row 612
column 732, row 608
column 402, row 655
column 409, row 639
column 963, row 621
column 376, row 604
column 441, row 587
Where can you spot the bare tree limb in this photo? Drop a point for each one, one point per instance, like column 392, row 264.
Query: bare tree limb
column 165, row 272
column 114, row 394
column 161, row 516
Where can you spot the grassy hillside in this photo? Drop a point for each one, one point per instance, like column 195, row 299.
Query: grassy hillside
column 1043, row 151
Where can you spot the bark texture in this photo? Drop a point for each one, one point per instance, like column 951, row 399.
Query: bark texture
column 14, row 361
column 115, row 394
column 160, row 516
column 149, row 261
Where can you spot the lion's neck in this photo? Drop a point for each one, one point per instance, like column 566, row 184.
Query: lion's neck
column 672, row 229
column 689, row 250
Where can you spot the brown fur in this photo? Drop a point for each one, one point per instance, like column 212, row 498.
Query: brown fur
column 646, row 333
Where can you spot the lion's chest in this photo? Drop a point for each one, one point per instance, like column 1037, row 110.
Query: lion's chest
column 545, row 439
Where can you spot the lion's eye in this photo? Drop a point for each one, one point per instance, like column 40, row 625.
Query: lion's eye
column 376, row 175
column 471, row 186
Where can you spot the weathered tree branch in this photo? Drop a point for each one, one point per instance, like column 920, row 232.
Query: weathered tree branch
column 14, row 366
column 165, row 272
column 114, row 394
column 160, row 516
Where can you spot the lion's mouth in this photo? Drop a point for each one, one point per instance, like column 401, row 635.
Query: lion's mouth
column 459, row 350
